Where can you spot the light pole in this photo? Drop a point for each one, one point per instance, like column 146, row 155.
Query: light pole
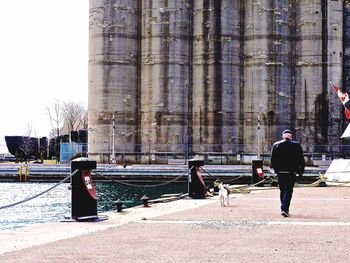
column 113, row 137
column 258, row 128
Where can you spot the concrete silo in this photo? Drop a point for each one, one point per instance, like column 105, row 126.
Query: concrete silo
column 206, row 92
column 165, row 76
column 280, row 69
column 228, row 45
column 308, row 84
column 215, row 95
column 223, row 76
column 334, row 25
column 267, row 73
column 113, row 77
column 346, row 41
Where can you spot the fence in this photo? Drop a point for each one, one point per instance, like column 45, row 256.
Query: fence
column 71, row 150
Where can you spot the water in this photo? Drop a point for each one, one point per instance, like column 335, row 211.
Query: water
column 56, row 204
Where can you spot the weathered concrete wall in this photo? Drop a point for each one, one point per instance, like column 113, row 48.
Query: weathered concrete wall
column 229, row 44
column 215, row 103
column 334, row 68
column 308, row 86
column 215, row 76
column 346, row 43
column 165, row 74
column 113, row 76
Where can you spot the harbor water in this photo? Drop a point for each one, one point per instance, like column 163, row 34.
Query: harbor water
column 55, row 205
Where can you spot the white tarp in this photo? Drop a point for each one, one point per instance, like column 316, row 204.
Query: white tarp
column 339, row 170
column 346, row 133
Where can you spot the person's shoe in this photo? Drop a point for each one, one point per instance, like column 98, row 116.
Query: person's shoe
column 285, row 214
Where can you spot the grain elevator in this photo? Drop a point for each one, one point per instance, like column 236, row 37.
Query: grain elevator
column 190, row 77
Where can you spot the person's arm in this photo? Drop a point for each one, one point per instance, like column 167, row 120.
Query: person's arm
column 301, row 161
column 272, row 160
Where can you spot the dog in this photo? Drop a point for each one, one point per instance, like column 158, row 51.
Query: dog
column 224, row 195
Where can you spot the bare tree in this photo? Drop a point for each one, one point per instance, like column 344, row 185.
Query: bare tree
column 84, row 120
column 75, row 116
column 56, row 119
column 66, row 115
column 56, row 116
column 52, row 133
column 29, row 129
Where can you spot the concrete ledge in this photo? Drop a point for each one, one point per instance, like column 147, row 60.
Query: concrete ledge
column 39, row 234
column 250, row 229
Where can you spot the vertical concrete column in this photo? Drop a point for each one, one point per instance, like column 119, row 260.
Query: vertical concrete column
column 280, row 72
column 308, row 83
column 228, row 45
column 206, row 93
column 165, row 78
column 259, row 16
column 335, row 23
column 346, row 41
column 113, row 77
column 215, row 74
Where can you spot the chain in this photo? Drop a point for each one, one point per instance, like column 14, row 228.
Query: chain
column 145, row 186
column 37, row 195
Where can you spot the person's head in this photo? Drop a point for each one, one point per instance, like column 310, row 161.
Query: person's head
column 287, row 134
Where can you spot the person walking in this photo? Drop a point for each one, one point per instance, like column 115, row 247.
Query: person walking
column 287, row 160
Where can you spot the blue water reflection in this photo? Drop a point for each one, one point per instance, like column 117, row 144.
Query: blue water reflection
column 56, row 204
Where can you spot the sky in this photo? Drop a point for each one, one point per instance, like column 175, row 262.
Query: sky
column 44, row 57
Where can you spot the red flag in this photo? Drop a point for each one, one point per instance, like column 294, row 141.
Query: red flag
column 347, row 113
column 344, row 98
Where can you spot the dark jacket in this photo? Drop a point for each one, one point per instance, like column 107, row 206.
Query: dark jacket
column 287, row 156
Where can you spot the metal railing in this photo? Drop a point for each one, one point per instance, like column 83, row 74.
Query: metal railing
column 212, row 154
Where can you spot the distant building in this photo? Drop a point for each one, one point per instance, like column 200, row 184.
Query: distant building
column 27, row 148
column 65, row 149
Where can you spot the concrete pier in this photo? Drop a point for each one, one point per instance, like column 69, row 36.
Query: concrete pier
column 251, row 229
column 142, row 173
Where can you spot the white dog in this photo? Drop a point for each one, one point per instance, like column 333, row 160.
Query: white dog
column 224, row 195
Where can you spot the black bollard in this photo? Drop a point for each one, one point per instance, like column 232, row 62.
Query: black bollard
column 196, row 185
column 84, row 199
column 119, row 205
column 257, row 172
column 145, row 200
column 322, row 184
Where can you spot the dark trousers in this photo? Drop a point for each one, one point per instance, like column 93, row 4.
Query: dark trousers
column 286, row 183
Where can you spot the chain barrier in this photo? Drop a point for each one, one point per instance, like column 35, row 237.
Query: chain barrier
column 37, row 195
column 338, row 184
column 238, row 189
column 245, row 188
column 206, row 171
column 322, row 178
column 232, row 180
column 144, row 186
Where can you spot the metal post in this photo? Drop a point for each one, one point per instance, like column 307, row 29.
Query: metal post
column 84, row 197
column 259, row 134
column 196, row 185
column 113, row 137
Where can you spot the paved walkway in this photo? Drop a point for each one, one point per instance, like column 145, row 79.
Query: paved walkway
column 249, row 230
